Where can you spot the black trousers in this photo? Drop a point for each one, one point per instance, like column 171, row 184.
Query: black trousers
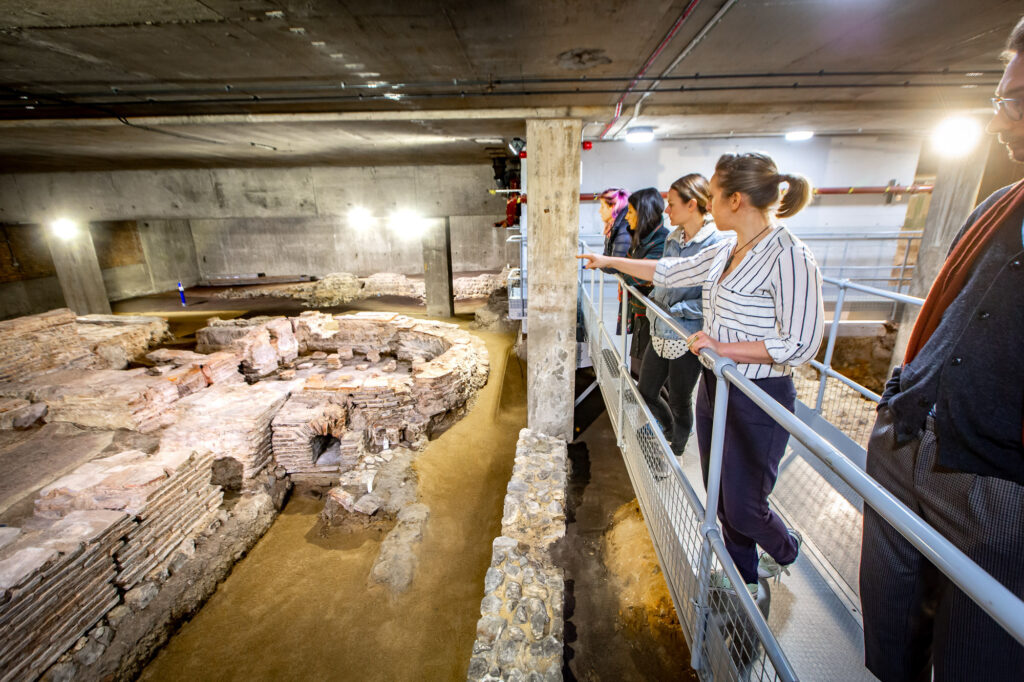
column 915, row 619
column 675, row 415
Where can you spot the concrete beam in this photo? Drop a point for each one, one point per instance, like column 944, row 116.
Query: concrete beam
column 437, row 268
column 516, row 113
column 553, row 182
column 78, row 271
column 954, row 197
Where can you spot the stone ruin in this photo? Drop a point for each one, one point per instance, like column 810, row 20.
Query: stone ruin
column 339, row 288
column 122, row 546
column 521, row 631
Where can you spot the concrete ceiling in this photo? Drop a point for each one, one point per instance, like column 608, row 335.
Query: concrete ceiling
column 186, row 83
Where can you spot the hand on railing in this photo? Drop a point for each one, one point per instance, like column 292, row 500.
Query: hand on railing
column 699, row 340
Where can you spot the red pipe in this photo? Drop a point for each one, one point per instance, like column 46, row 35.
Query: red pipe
column 876, row 189
column 650, row 60
column 888, row 189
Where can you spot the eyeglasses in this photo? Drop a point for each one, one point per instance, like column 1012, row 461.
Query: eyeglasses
column 1012, row 107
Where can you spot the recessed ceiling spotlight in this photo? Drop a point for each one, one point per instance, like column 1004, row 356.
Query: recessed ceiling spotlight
column 956, row 136
column 639, row 134
column 799, row 135
column 297, row 30
column 337, row 55
column 318, row 43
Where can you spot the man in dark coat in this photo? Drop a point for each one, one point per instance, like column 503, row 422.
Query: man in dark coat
column 948, row 439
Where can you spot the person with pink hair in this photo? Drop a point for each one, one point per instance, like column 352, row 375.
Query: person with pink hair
column 617, row 236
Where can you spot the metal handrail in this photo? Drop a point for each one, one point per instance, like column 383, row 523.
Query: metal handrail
column 996, row 600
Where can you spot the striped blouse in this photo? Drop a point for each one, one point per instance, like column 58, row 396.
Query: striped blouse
column 773, row 295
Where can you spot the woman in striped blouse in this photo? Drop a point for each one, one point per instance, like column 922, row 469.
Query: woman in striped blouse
column 763, row 309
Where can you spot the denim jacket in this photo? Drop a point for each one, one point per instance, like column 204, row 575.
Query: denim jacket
column 683, row 303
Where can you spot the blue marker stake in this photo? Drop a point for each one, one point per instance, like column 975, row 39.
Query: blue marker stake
column 181, row 292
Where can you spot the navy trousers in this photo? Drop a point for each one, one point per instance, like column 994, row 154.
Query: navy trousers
column 754, row 446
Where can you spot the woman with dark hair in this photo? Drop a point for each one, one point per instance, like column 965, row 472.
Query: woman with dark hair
column 762, row 309
column 644, row 216
column 667, row 358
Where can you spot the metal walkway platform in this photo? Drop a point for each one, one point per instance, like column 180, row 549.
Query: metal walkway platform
column 810, row 613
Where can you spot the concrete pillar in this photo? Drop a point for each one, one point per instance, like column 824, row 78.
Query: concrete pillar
column 78, row 271
column 954, row 197
column 552, row 219
column 437, row 268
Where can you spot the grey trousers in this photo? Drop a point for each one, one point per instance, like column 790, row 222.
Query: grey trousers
column 915, row 619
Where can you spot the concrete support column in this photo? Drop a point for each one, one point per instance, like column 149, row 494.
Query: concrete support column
column 437, row 268
column 552, row 220
column 78, row 271
column 954, row 197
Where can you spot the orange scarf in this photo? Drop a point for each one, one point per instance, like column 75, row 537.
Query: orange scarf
column 957, row 268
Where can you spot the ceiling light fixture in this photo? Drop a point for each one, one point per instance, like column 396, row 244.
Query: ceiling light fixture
column 799, row 135
column 64, row 228
column 639, row 134
column 956, row 136
column 407, row 223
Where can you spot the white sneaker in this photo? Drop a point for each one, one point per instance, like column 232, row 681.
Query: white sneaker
column 720, row 581
column 768, row 567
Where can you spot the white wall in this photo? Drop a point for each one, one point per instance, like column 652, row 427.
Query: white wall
column 827, row 161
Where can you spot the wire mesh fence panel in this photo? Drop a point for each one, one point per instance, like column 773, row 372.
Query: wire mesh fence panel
column 731, row 646
column 673, row 514
column 845, row 408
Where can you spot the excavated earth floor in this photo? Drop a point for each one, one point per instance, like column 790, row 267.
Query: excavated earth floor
column 299, row 606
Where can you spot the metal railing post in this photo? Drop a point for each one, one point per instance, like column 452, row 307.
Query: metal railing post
column 832, row 334
column 710, row 512
column 623, row 367
column 600, row 295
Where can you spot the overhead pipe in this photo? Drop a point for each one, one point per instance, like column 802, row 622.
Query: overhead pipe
column 41, row 108
column 683, row 54
column 16, row 91
column 650, row 60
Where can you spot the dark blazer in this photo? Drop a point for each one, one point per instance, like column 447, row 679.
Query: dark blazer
column 972, row 367
column 652, row 247
column 617, row 243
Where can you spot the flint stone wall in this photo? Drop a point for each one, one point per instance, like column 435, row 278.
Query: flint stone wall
column 520, row 633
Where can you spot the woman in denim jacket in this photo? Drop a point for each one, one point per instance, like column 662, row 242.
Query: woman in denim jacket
column 667, row 357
